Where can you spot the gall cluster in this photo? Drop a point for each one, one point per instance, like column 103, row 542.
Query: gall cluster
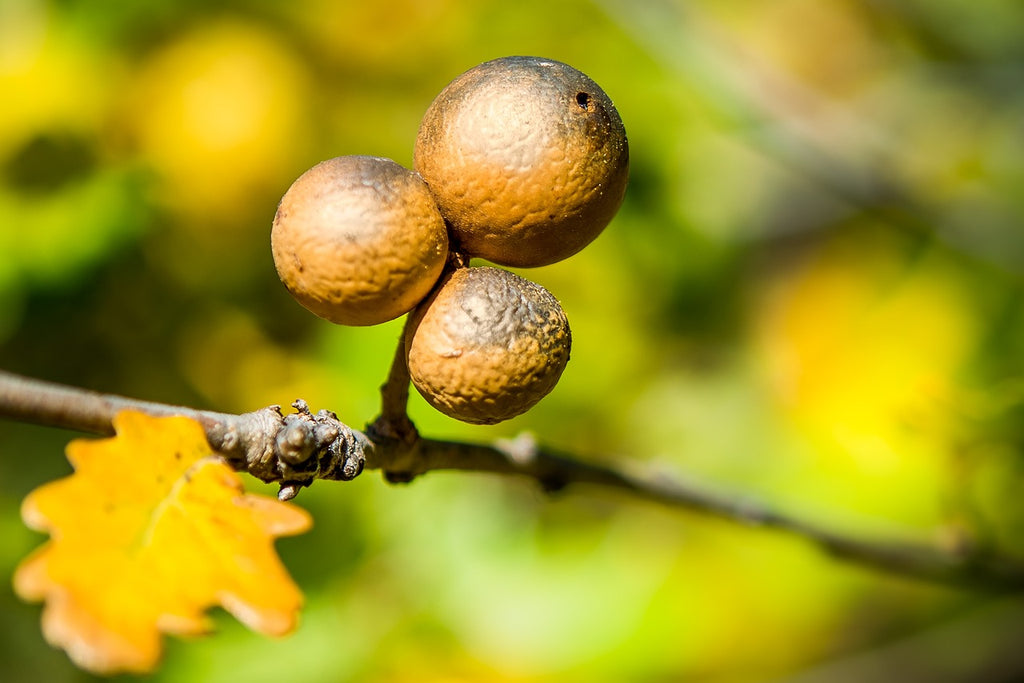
column 520, row 161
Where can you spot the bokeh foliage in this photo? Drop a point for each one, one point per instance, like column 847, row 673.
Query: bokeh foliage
column 812, row 296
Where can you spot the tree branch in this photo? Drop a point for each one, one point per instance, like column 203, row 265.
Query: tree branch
column 964, row 566
column 296, row 449
column 292, row 450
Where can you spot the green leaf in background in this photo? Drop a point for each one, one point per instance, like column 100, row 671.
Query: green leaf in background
column 811, row 295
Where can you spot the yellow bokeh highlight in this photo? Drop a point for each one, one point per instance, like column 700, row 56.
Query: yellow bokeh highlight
column 218, row 113
column 864, row 349
column 50, row 80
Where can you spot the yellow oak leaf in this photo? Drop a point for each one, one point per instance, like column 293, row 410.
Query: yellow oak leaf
column 150, row 531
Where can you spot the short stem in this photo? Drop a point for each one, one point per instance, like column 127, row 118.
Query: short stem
column 393, row 423
column 394, row 393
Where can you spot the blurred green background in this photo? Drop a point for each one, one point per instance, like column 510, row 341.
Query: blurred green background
column 812, row 296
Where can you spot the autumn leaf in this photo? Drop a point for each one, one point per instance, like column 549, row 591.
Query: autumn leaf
column 150, row 531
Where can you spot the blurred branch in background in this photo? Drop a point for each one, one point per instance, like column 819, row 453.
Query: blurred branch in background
column 844, row 147
column 981, row 644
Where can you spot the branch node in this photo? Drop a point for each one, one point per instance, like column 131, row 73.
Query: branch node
column 552, row 484
column 399, row 445
column 289, row 490
column 522, row 450
column 296, row 440
column 396, row 477
column 751, row 512
column 293, row 450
